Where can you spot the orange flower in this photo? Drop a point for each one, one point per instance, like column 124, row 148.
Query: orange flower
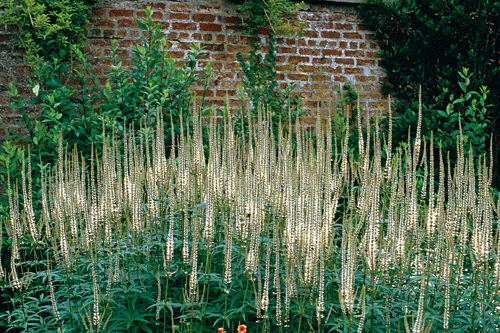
column 221, row 330
column 242, row 328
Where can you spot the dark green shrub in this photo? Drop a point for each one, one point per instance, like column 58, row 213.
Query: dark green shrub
column 427, row 43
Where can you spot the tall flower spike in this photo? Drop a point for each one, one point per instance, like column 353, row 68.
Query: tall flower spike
column 389, row 144
column 418, row 138
column 28, row 201
column 360, row 131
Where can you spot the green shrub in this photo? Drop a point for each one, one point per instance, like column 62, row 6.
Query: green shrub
column 427, row 43
column 129, row 98
column 47, row 28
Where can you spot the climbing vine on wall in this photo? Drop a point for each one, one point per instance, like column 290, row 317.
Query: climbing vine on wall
column 278, row 15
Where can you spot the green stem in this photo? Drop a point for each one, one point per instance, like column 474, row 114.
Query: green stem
column 372, row 299
column 475, row 298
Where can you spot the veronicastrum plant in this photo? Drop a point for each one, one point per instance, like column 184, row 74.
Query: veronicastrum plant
column 251, row 235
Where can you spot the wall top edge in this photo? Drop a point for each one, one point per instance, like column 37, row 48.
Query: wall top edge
column 349, row 1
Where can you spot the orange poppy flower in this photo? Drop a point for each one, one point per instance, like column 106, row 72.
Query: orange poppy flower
column 221, row 330
column 242, row 328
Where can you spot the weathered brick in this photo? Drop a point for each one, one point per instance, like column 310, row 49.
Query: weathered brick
column 126, row 23
column 311, row 34
column 369, row 54
column 340, row 78
column 203, row 17
column 121, row 13
column 126, row 43
column 183, row 26
column 207, row 37
column 233, row 66
column 352, row 18
column 320, row 77
column 297, row 59
column 103, row 23
column 344, row 61
column 213, row 47
column 321, row 61
column 308, row 51
column 210, row 27
column 360, row 78
column 365, row 62
column 182, row 7
column 282, row 49
column 343, row 26
column 141, row 14
column 99, row 12
column 216, row 66
column 352, row 35
column 156, row 5
column 232, row 48
column 307, row 68
column 285, row 68
column 348, row 53
column 211, row 9
column 224, row 57
column 353, row 70
column 231, row 20
column 331, row 52
column 330, row 34
column 297, row 77
column 179, row 16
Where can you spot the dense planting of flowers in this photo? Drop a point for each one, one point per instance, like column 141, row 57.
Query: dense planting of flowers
column 257, row 232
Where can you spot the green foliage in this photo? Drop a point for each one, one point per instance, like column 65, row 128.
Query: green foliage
column 82, row 114
column 426, row 43
column 263, row 89
column 471, row 116
column 278, row 15
column 163, row 269
column 47, row 27
column 129, row 97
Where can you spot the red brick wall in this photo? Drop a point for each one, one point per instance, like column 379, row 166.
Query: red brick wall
column 336, row 48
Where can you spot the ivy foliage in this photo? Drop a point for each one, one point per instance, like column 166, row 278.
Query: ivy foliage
column 263, row 89
column 47, row 28
column 278, row 15
column 430, row 43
